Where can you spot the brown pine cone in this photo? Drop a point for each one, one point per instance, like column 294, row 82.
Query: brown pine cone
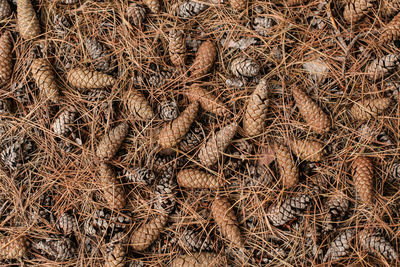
column 389, row 8
column 173, row 132
column 205, row 58
column 192, row 139
column 177, row 47
column 376, row 244
column 99, row 53
column 168, row 110
column 28, row 23
column 140, row 175
column 288, row 170
column 138, row 105
column 192, row 178
column 356, row 9
column 87, row 79
column 307, row 149
column 364, row 110
column 62, row 124
column 256, row 111
column 314, row 116
column 12, row 247
column 116, row 251
column 363, row 175
column 5, row 9
column 59, row 248
column 192, row 240
column 279, row 214
column 189, row 9
column 226, row 220
column 113, row 192
column 336, row 207
column 202, row 259
column 153, row 5
column 45, row 79
column 67, row 224
column 206, row 99
column 246, row 67
column 340, row 246
column 136, row 14
column 383, row 66
column 147, row 233
column 6, row 65
column 211, row 151
column 238, row 5
column 111, row 141
column 391, row 31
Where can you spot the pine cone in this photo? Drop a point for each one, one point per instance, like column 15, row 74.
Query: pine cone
column 226, row 220
column 168, row 110
column 243, row 66
column 173, row 132
column 113, row 192
column 162, row 163
column 153, row 5
column 288, row 170
column 307, row 149
column 194, row 241
column 369, row 133
column 376, row 244
column 189, row 9
column 383, row 66
column 140, row 175
column 389, row 8
column 136, row 14
column 98, row 52
column 160, row 78
column 339, row 247
column 177, row 47
column 61, row 24
column 116, row 251
column 138, row 105
column 356, row 9
column 5, row 9
column 395, row 171
column 62, row 124
column 192, row 178
column 391, row 31
column 363, row 174
column 27, row 22
column 6, row 66
column 111, row 141
column 205, row 58
column 202, row 259
column 211, row 151
column 206, row 99
column 311, row 112
column 147, row 233
column 364, row 110
column 59, row 249
column 67, row 224
column 280, row 214
column 256, row 111
column 337, row 207
column 165, row 191
column 12, row 247
column 45, row 79
column 86, row 79
column 192, row 139
column 238, row 5
column 68, row 2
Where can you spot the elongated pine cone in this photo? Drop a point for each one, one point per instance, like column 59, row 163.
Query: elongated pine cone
column 189, row 9
column 226, row 220
column 205, row 58
column 59, row 248
column 337, row 207
column 45, row 79
column 138, row 105
column 192, row 139
column 356, row 9
column 28, row 23
column 111, row 141
column 389, row 8
column 136, row 14
column 363, row 175
column 192, row 178
column 391, row 31
column 279, row 214
column 256, row 111
column 67, row 224
column 87, row 79
column 366, row 109
column 206, row 99
column 211, row 151
column 288, row 170
column 140, row 175
column 340, row 246
column 12, row 247
column 113, row 192
column 192, row 240
column 62, row 124
column 116, row 251
column 307, row 149
column 238, row 5
column 376, row 244
column 314, row 116
column 246, row 67
column 383, row 66
column 6, row 65
column 202, row 259
column 173, row 132
column 148, row 232
column 153, row 5
column 5, row 9
column 177, row 47
column 98, row 52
